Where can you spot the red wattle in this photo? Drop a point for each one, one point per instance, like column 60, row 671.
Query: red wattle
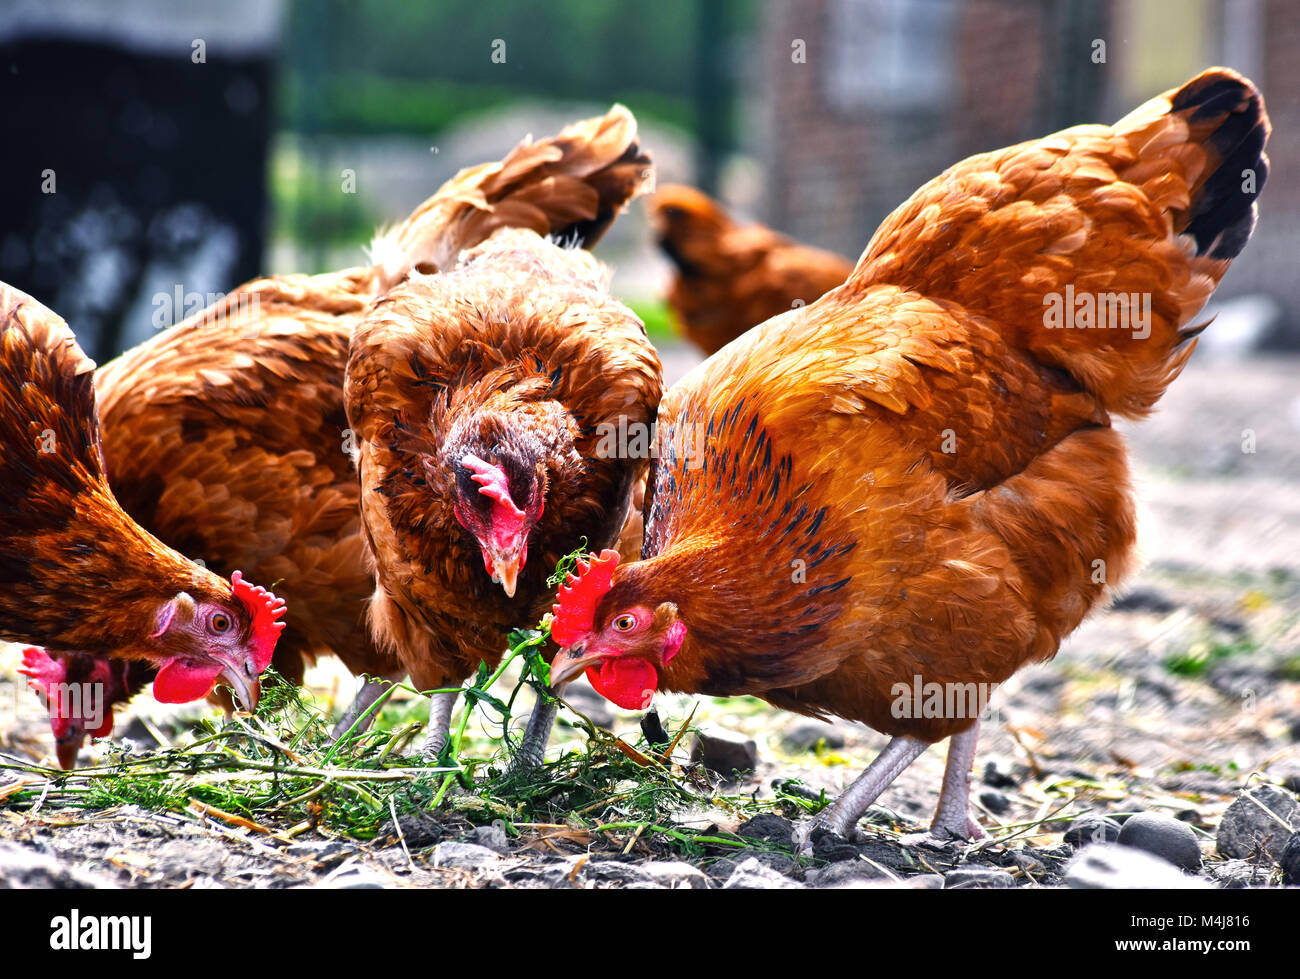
column 628, row 682
column 106, row 726
column 179, row 682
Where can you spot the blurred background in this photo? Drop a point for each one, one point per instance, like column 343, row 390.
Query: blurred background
column 158, row 146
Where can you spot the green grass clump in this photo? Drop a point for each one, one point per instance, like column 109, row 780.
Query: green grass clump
column 1200, row 656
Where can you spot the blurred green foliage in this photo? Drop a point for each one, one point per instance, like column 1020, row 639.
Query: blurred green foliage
column 658, row 321
column 414, row 66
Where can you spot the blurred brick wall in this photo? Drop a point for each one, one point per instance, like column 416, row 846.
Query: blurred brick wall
column 1012, row 71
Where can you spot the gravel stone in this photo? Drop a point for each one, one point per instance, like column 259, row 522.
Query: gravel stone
column 1290, row 861
column 23, row 868
column 463, row 856
column 676, row 874
column 925, row 882
column 493, row 837
column 849, row 873
column 1164, row 837
column 725, row 752
column 616, row 872
column 972, row 877
column 1092, row 828
column 354, row 875
column 995, row 801
column 720, row 870
column 751, row 875
column 1265, row 816
column 997, row 779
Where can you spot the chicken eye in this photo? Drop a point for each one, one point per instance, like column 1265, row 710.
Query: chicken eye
column 625, row 623
column 221, row 622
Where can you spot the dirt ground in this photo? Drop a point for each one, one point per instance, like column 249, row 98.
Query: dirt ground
column 1176, row 700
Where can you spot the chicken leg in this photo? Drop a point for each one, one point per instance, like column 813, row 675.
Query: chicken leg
column 440, row 706
column 952, row 818
column 532, row 749
column 370, row 690
column 843, row 814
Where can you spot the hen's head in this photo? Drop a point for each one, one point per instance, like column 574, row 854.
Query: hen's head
column 80, row 691
column 196, row 643
column 500, row 502
column 686, row 224
column 607, row 629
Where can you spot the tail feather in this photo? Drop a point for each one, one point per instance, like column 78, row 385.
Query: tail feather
column 1145, row 215
column 1219, row 121
column 571, row 186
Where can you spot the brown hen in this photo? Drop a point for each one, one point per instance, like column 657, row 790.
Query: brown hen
column 912, row 486
column 76, row 571
column 481, row 397
column 730, row 276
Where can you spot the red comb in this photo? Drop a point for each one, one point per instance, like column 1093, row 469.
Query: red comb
column 42, row 670
column 266, row 611
column 495, row 487
column 575, row 611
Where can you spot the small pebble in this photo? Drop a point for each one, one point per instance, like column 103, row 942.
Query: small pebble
column 721, row 869
column 849, row 873
column 966, row 878
column 1291, row 861
column 353, row 876
column 751, row 875
column 464, row 856
column 726, row 752
column 1092, row 827
column 616, row 872
column 997, row 779
column 676, row 874
column 995, row 802
column 1164, row 837
column 22, row 867
column 926, row 882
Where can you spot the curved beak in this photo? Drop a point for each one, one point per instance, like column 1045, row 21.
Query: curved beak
column 66, row 749
column 505, row 571
column 244, row 682
column 568, row 663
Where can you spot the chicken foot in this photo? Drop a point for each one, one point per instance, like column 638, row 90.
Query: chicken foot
column 531, row 749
